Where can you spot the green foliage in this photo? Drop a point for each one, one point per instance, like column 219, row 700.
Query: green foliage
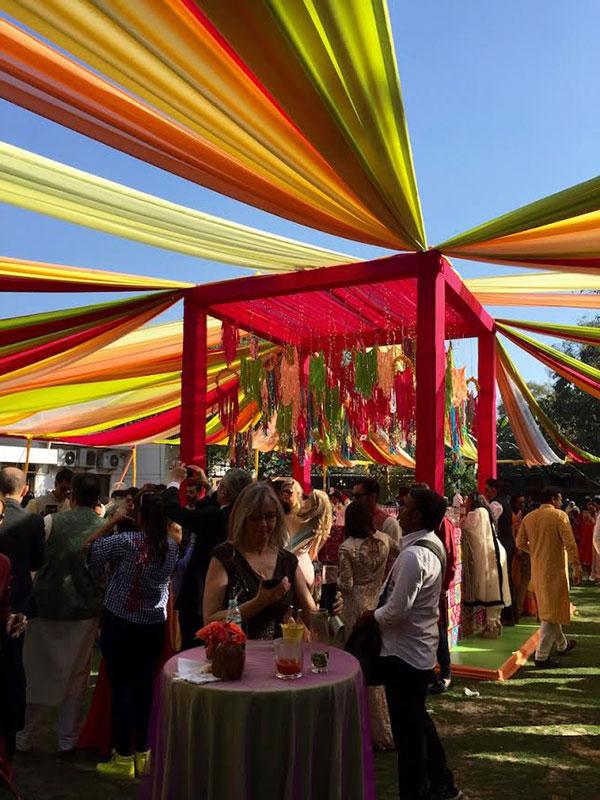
column 460, row 477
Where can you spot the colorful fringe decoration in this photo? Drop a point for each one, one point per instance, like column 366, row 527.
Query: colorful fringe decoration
column 365, row 371
column 406, row 399
column 251, row 376
column 386, row 370
column 290, row 384
column 228, row 404
column 230, row 339
column 317, row 373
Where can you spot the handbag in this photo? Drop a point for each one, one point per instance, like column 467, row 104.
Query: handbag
column 364, row 643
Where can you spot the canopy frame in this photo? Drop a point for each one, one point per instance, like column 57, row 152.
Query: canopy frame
column 439, row 291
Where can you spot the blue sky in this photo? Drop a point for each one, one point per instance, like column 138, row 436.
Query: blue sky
column 503, row 107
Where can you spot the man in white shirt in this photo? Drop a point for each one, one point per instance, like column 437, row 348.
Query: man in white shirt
column 367, row 493
column 407, row 617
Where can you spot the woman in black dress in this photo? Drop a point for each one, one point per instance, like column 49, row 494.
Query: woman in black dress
column 255, row 567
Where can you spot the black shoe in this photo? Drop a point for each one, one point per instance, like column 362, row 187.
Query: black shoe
column 571, row 645
column 546, row 663
column 440, row 686
column 67, row 755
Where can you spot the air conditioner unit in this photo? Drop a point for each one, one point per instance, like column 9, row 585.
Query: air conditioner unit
column 111, row 459
column 88, row 458
column 67, row 458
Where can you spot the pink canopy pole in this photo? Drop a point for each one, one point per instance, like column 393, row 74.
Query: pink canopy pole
column 431, row 372
column 193, row 383
column 301, row 467
column 486, row 409
column 301, row 471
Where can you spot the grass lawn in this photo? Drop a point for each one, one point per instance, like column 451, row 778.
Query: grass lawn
column 536, row 736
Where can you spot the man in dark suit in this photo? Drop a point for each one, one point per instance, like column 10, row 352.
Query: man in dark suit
column 208, row 524
column 22, row 540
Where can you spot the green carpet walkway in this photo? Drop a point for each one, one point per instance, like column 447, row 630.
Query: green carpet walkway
column 535, row 737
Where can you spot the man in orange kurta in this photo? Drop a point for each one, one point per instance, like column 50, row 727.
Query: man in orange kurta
column 547, row 536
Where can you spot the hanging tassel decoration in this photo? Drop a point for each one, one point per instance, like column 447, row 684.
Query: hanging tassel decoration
column 449, row 378
column 404, row 388
column 365, row 371
column 253, row 346
column 252, row 374
column 386, row 370
column 290, row 384
column 227, row 403
column 230, row 339
column 317, row 374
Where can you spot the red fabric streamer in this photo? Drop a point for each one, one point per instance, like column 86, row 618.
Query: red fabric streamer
column 406, row 401
column 228, row 405
column 230, row 337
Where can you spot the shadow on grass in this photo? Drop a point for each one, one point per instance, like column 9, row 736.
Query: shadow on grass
column 535, row 737
column 519, row 739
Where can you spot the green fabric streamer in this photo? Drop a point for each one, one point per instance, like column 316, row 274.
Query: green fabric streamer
column 586, row 334
column 284, row 424
column 365, row 371
column 573, row 202
column 252, row 374
column 317, row 373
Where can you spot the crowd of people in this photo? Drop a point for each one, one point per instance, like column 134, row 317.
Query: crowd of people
column 184, row 550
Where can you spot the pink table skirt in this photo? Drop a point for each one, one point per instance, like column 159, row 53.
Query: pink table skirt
column 261, row 738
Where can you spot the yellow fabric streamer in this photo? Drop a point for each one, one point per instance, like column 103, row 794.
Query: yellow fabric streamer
column 561, row 232
column 337, row 79
column 547, row 289
column 23, row 275
column 162, row 53
column 39, row 184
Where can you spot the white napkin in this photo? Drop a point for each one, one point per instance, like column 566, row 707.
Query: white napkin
column 199, row 677
column 192, row 671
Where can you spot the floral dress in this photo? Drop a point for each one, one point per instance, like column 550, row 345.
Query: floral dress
column 362, row 571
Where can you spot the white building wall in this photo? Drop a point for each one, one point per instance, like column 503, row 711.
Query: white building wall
column 154, row 462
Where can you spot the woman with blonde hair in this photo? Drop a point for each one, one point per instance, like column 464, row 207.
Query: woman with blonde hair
column 255, row 568
column 316, row 516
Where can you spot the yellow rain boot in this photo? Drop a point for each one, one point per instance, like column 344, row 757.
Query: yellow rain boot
column 142, row 763
column 118, row 767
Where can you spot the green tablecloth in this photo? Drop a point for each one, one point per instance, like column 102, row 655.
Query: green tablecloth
column 262, row 738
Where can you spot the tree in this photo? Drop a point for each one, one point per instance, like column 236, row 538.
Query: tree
column 577, row 413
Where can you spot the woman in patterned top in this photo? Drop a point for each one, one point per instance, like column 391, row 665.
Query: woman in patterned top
column 134, row 624
column 255, row 567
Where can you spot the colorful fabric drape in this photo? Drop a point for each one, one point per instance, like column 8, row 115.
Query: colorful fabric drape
column 585, row 334
column 560, row 232
column 42, row 342
column 586, row 377
column 337, row 80
column 152, row 350
column 171, row 55
column 548, row 289
column 39, row 184
column 129, row 380
column 575, row 453
column 18, row 275
column 534, row 449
